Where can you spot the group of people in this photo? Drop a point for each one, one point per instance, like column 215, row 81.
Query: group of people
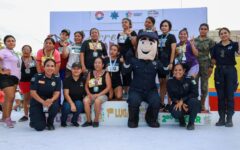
column 86, row 75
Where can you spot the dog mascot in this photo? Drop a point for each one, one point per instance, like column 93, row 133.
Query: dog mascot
column 143, row 86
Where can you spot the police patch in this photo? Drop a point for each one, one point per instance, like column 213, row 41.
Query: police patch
column 53, row 83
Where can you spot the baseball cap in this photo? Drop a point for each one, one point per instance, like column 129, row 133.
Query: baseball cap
column 76, row 64
column 66, row 31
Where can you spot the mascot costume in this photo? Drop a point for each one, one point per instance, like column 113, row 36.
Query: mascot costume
column 143, row 86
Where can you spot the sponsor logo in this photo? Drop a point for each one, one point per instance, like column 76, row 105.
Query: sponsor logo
column 129, row 14
column 99, row 15
column 114, row 15
column 153, row 13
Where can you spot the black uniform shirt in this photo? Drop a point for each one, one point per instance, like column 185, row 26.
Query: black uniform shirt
column 76, row 88
column 45, row 86
column 225, row 55
column 184, row 89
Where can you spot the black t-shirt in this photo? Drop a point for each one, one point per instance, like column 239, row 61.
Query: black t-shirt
column 44, row 86
column 164, row 47
column 29, row 72
column 114, row 68
column 76, row 88
column 90, row 54
column 97, row 85
column 225, row 55
column 125, row 43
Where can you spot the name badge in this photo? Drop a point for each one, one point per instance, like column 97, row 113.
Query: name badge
column 27, row 71
column 96, row 89
column 95, row 54
column 41, row 82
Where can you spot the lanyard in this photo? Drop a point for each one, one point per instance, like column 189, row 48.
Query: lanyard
column 114, row 63
column 165, row 39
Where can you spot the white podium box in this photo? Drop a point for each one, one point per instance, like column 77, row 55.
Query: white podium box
column 115, row 113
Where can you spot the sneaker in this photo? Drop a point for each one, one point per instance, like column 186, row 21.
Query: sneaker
column 24, row 118
column 9, row 123
column 95, row 124
column 167, row 108
column 86, row 124
column 75, row 124
column 63, row 124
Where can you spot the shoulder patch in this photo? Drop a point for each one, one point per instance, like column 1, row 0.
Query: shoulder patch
column 194, row 82
column 33, row 79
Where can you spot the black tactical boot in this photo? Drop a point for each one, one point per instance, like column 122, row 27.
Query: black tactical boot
column 221, row 121
column 229, row 122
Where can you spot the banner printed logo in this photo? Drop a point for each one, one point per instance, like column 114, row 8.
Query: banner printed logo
column 99, row 15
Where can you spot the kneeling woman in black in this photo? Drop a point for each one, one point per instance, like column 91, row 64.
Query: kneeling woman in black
column 45, row 91
column 97, row 86
column 183, row 92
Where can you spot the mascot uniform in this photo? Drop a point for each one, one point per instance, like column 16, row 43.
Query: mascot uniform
column 143, row 86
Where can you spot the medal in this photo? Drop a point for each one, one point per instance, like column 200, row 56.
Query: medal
column 27, row 71
column 95, row 54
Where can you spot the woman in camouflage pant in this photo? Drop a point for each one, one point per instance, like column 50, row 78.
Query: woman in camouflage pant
column 204, row 44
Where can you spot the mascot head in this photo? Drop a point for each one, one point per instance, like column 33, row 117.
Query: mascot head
column 147, row 45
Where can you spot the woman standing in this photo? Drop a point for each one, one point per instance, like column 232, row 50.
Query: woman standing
column 225, row 76
column 45, row 91
column 91, row 49
column 149, row 25
column 73, row 53
column 204, row 44
column 48, row 52
column 127, row 41
column 166, row 54
column 9, row 77
column 187, row 54
column 97, row 86
column 28, row 70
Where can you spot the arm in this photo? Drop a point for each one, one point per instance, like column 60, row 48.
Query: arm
column 108, row 83
column 38, row 66
column 86, row 85
column 57, row 68
column 170, row 92
column 82, row 59
column 34, row 95
column 173, row 50
column 193, row 90
column 194, row 49
column 133, row 38
column 127, row 66
column 66, row 50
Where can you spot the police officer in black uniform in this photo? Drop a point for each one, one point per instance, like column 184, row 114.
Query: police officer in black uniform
column 183, row 92
column 143, row 86
column 45, row 91
column 225, row 76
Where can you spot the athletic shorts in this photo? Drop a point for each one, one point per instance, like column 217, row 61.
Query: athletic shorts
column 7, row 81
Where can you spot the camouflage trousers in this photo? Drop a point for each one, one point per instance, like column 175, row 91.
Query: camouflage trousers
column 203, row 77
